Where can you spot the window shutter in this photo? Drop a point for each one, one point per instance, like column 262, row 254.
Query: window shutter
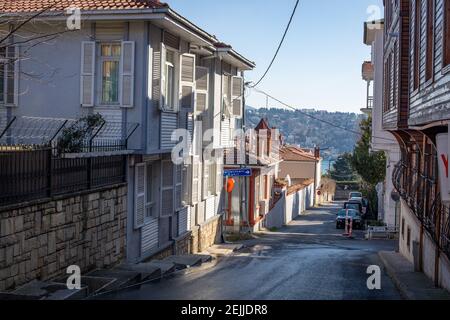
column 219, row 179
column 178, row 186
column 201, row 89
column 167, row 193
column 127, row 73
column 87, row 73
column 162, row 77
column 205, row 184
column 237, row 92
column 10, row 71
column 196, row 182
column 139, row 196
column 187, row 81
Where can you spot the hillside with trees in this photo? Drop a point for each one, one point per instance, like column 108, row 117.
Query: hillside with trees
column 300, row 129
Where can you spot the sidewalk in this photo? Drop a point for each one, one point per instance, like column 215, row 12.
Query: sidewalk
column 412, row 285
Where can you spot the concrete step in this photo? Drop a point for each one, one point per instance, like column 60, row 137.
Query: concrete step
column 187, row 261
column 147, row 270
column 123, row 278
column 49, row 291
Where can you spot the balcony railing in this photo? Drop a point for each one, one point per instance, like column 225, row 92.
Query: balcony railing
column 418, row 189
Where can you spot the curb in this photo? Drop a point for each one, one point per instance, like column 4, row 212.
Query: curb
column 393, row 275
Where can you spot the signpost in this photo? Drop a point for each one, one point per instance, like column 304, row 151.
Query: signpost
column 442, row 144
column 244, row 172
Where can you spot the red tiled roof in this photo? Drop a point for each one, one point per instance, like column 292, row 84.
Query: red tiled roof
column 18, row 6
column 292, row 153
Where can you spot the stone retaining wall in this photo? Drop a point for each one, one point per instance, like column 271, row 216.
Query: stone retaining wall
column 39, row 240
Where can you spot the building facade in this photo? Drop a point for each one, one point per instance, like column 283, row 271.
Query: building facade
column 148, row 71
column 388, row 207
column 416, row 110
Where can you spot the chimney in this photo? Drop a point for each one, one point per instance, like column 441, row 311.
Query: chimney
column 317, row 152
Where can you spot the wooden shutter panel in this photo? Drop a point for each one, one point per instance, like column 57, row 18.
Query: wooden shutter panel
column 167, row 193
column 219, row 179
column 162, row 77
column 205, row 180
column 139, row 196
column 127, row 73
column 237, row 91
column 87, row 73
column 201, row 89
column 196, row 182
column 178, row 187
column 187, row 81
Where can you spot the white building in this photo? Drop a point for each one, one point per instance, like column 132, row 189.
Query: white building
column 388, row 209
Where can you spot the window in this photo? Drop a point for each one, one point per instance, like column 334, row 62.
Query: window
column 212, row 178
column 403, row 228
column 417, row 37
column 396, row 75
column 169, row 90
column 7, row 75
column 110, row 73
column 408, row 238
column 446, row 33
column 180, row 172
column 430, row 40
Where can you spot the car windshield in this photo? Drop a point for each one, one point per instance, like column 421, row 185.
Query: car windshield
column 351, row 213
column 355, row 195
column 354, row 206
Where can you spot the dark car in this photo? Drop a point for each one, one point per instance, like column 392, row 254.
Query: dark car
column 354, row 214
column 354, row 205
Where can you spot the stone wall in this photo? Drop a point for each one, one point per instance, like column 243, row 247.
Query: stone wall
column 209, row 233
column 39, row 240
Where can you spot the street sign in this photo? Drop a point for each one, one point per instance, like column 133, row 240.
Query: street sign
column 245, row 172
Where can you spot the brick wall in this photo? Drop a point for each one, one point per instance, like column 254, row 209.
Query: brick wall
column 39, row 240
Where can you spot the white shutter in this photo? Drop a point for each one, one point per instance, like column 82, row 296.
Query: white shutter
column 201, row 89
column 196, row 182
column 178, row 187
column 237, row 92
column 167, row 188
column 205, row 184
column 162, row 69
column 127, row 73
column 139, row 196
column 187, row 81
column 87, row 73
column 219, row 179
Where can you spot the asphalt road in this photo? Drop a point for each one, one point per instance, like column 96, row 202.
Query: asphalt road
column 307, row 260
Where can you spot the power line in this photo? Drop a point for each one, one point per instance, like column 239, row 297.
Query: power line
column 279, row 46
column 313, row 117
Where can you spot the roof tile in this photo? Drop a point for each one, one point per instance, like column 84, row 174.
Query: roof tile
column 18, row 6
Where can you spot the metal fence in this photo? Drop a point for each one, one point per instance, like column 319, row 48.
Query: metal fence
column 418, row 188
column 33, row 173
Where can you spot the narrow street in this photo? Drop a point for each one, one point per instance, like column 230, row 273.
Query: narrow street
column 308, row 259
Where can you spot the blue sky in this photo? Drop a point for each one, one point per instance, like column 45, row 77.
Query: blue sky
column 319, row 65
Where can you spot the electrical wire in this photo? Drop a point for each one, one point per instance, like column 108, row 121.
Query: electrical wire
column 279, row 46
column 313, row 117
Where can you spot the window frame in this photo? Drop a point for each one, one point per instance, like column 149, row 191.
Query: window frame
column 100, row 65
column 430, row 41
column 149, row 203
column 175, row 87
column 417, row 41
column 9, row 67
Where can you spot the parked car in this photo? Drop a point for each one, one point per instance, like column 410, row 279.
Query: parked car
column 355, row 194
column 361, row 201
column 354, row 206
column 354, row 214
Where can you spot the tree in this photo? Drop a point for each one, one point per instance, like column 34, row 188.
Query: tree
column 342, row 168
column 371, row 166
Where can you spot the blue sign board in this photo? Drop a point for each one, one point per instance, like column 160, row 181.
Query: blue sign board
column 245, row 172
